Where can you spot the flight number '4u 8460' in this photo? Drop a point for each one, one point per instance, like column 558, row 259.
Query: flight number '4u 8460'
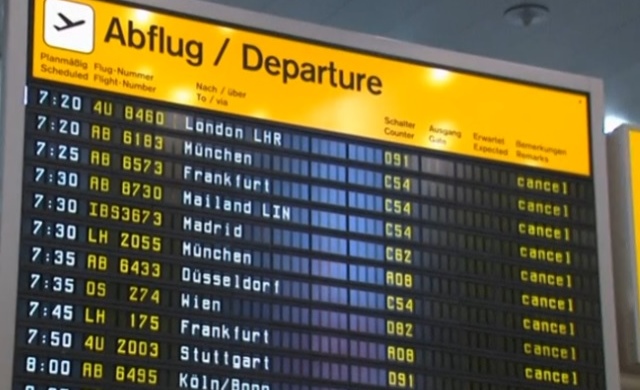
column 144, row 115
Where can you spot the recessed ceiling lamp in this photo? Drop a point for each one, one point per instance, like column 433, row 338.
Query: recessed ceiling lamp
column 527, row 14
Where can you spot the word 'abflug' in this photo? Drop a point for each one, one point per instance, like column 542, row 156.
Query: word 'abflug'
column 156, row 38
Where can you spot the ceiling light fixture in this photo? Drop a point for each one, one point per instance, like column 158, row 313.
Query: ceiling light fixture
column 528, row 14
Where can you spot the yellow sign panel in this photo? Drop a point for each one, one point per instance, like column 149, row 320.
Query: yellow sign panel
column 634, row 161
column 167, row 58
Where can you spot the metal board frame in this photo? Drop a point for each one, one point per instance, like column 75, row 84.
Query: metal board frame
column 12, row 110
column 624, row 246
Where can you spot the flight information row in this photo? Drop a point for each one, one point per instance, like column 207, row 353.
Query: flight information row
column 164, row 166
column 226, row 132
column 432, row 270
column 162, row 349
column 328, row 329
column 325, row 237
column 187, row 246
column 132, row 346
column 380, row 192
column 183, row 353
column 284, row 282
column 336, row 372
column 432, row 381
column 362, row 301
column 430, row 261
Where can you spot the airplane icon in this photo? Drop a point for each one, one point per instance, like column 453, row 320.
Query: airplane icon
column 68, row 23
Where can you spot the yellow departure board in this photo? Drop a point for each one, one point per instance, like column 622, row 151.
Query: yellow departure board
column 211, row 66
column 623, row 147
column 207, row 206
column 634, row 160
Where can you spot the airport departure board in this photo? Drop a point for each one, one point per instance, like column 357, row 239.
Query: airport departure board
column 623, row 147
column 210, row 207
